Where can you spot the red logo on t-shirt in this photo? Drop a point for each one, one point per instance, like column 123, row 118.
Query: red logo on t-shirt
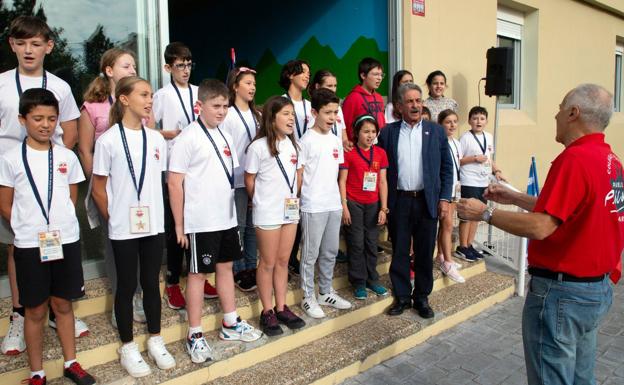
column 196, row 109
column 226, row 151
column 293, row 158
column 375, row 166
column 335, row 153
column 338, row 119
column 62, row 168
column 157, row 153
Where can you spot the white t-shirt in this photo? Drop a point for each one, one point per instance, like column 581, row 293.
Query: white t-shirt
column 233, row 125
column 320, row 157
column 456, row 155
column 208, row 195
column 12, row 133
column 389, row 114
column 27, row 220
column 168, row 110
column 476, row 174
column 340, row 124
column 303, row 110
column 271, row 188
column 110, row 160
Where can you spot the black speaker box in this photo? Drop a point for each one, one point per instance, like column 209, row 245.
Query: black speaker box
column 499, row 75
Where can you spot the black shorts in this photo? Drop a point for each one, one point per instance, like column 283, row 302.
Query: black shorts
column 37, row 281
column 473, row 192
column 208, row 249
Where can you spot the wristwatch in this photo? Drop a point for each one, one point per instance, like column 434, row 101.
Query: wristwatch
column 487, row 214
column 385, row 210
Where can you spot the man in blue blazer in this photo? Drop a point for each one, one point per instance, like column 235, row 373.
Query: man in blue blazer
column 420, row 182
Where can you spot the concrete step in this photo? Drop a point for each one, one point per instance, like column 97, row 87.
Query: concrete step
column 102, row 344
column 334, row 347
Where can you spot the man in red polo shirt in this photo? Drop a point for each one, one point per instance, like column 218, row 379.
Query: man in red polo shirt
column 577, row 231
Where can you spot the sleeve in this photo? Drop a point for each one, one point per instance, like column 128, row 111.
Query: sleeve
column 490, row 139
column 566, row 188
column 158, row 106
column 345, row 163
column 181, row 153
column 303, row 151
column 68, row 110
column 163, row 152
column 252, row 160
column 341, row 122
column 88, row 107
column 7, row 176
column 75, row 170
column 383, row 159
column 340, row 151
column 234, row 155
column 102, row 158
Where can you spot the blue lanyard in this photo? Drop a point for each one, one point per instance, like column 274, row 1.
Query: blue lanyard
column 245, row 122
column 31, row 180
column 482, row 147
column 291, row 186
column 110, row 100
column 124, row 140
column 453, row 156
column 369, row 161
column 229, row 176
column 335, row 129
column 18, row 84
column 305, row 115
column 188, row 119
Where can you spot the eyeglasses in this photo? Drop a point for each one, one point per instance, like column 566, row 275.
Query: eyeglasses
column 183, row 66
column 377, row 74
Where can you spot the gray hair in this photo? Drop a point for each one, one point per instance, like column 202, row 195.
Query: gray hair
column 407, row 87
column 594, row 102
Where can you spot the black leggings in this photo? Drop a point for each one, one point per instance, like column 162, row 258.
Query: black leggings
column 148, row 251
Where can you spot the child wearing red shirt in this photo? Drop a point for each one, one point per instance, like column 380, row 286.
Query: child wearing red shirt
column 364, row 194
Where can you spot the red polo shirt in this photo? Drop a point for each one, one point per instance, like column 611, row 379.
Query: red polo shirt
column 357, row 164
column 584, row 190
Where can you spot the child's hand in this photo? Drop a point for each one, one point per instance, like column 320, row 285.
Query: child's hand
column 181, row 237
column 500, row 177
column 346, row 216
column 347, row 145
column 381, row 218
column 481, row 158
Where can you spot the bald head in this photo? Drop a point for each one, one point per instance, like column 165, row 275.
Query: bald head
column 594, row 103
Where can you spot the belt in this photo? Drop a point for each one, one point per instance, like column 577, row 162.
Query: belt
column 544, row 273
column 413, row 194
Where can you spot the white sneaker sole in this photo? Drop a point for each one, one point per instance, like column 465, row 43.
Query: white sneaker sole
column 138, row 374
column 161, row 367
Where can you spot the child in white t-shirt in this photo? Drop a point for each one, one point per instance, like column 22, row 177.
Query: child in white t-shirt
column 39, row 188
column 271, row 180
column 477, row 165
column 201, row 189
column 321, row 209
column 129, row 160
column 241, row 122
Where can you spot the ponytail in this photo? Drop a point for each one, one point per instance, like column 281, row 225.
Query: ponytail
column 116, row 113
column 98, row 90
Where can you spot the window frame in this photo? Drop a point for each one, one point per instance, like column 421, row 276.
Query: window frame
column 510, row 25
column 618, row 75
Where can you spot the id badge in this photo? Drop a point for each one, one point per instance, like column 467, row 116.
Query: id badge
column 370, row 181
column 139, row 220
column 291, row 209
column 50, row 246
column 457, row 192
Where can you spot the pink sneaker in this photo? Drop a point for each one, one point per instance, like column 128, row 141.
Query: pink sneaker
column 451, row 272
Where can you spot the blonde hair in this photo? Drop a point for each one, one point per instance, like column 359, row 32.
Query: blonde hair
column 124, row 87
column 99, row 88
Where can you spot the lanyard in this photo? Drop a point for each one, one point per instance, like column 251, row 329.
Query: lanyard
column 110, row 100
column 245, row 122
column 18, row 84
column 188, row 119
column 335, row 129
column 482, row 147
column 291, row 186
column 453, row 156
column 124, row 140
column 305, row 115
column 227, row 173
column 368, row 107
column 370, row 160
column 31, row 180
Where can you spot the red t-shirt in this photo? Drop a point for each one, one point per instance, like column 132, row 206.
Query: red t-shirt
column 357, row 165
column 585, row 191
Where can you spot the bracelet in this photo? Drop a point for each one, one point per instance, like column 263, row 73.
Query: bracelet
column 344, row 200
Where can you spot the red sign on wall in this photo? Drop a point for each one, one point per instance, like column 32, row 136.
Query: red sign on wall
column 418, row 7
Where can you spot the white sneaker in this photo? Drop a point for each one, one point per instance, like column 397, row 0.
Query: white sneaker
column 452, row 273
column 198, row 348
column 312, row 308
column 132, row 360
column 157, row 351
column 80, row 328
column 13, row 342
column 138, row 314
column 441, row 261
column 334, row 300
column 242, row 331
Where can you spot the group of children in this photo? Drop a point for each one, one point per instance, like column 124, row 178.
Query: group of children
column 219, row 184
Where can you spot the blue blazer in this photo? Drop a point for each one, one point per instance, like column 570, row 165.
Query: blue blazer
column 437, row 164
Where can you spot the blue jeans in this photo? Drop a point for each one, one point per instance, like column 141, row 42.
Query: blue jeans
column 246, row 232
column 559, row 325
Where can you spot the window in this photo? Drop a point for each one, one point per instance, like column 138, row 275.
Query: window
column 509, row 25
column 617, row 88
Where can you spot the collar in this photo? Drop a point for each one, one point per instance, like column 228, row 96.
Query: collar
column 598, row 137
column 407, row 125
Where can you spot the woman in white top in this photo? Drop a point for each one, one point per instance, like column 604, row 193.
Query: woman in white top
column 271, row 180
column 128, row 164
column 400, row 77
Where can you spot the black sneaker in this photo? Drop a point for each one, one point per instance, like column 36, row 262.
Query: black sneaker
column 245, row 280
column 269, row 324
column 465, row 254
column 78, row 375
column 475, row 252
column 290, row 319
